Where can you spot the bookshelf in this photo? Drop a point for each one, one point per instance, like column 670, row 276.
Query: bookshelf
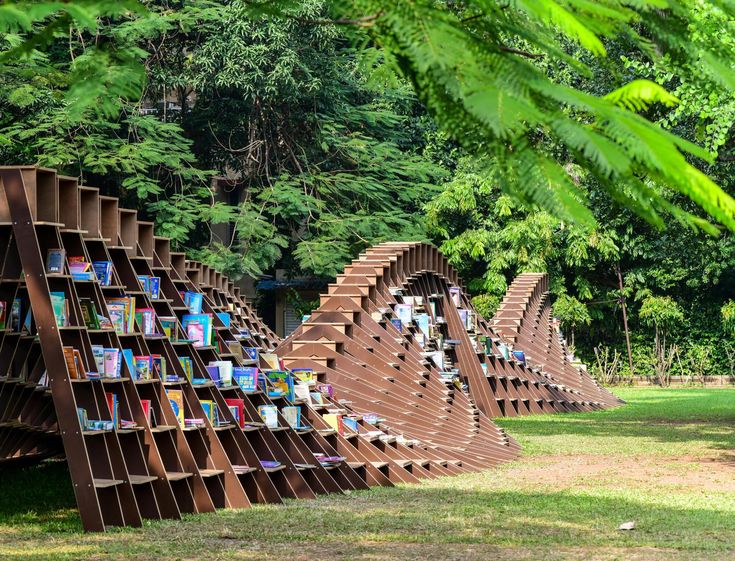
column 102, row 366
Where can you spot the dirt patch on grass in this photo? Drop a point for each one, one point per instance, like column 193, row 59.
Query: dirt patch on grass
column 715, row 473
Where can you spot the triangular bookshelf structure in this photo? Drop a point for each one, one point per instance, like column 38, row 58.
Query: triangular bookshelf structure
column 397, row 335
column 184, row 401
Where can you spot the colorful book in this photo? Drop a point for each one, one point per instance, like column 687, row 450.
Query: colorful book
column 176, row 398
column 225, row 371
column 146, row 320
column 303, row 374
column 237, row 407
column 15, row 312
column 71, row 363
column 334, row 420
column 198, row 328
column 60, row 307
column 111, row 363
column 3, row 312
column 282, row 382
column 246, row 377
column 170, row 327
column 143, row 367
column 103, row 272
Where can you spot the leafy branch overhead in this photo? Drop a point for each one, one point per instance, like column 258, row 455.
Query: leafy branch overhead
column 469, row 66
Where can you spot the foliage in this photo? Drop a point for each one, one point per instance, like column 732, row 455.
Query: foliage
column 728, row 317
column 325, row 161
column 486, row 304
column 571, row 313
column 661, row 312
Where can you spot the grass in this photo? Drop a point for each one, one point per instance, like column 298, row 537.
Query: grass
column 664, row 461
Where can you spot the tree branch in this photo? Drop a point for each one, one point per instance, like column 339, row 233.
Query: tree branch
column 525, row 54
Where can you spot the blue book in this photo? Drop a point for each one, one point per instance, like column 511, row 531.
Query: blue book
column 155, row 288
column 194, row 301
column 130, row 361
column 246, row 377
column 224, row 318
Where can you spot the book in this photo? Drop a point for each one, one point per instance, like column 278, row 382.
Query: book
column 317, row 398
column 210, row 410
column 303, row 374
column 98, row 353
column 350, row 423
column 122, row 313
column 103, row 272
column 325, row 389
column 3, row 311
column 269, row 414
column 159, row 365
column 198, row 328
column 272, row 360
column 334, row 420
column 404, row 312
column 155, row 288
column 214, row 373
column 252, row 352
column 147, row 411
column 225, row 371
column 301, row 392
column 237, row 407
column 281, row 383
column 176, row 398
column 187, row 366
column 225, row 318
column 113, row 405
column 55, row 261
column 292, row 415
column 129, row 361
column 143, row 367
column 111, row 363
column 246, row 377
column 194, row 301
column 15, row 312
column 146, row 320
column 60, row 307
column 145, row 282
column 235, row 348
column 170, row 327
column 71, row 363
column 89, row 313
column 397, row 323
column 455, row 293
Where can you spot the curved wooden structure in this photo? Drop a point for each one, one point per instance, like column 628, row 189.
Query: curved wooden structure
column 383, row 401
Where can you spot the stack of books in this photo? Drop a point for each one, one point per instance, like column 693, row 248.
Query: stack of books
column 122, row 314
column 146, row 320
column 198, row 329
column 108, row 361
column 328, row 461
column 80, row 269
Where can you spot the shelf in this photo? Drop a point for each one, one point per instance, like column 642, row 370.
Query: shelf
column 163, row 428
column 141, row 479
column 104, row 483
column 211, row 472
column 177, row 475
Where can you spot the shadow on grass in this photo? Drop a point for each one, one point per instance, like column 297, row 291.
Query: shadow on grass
column 407, row 516
column 40, row 496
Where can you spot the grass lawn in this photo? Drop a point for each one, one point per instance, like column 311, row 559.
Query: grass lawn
column 664, row 461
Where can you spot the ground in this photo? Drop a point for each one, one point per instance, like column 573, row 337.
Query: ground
column 665, row 461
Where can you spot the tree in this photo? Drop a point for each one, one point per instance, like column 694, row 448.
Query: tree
column 475, row 67
column 571, row 313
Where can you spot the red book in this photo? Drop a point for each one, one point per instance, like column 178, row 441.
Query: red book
column 146, row 403
column 240, row 404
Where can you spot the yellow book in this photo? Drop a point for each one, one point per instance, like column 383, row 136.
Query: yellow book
column 176, row 398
